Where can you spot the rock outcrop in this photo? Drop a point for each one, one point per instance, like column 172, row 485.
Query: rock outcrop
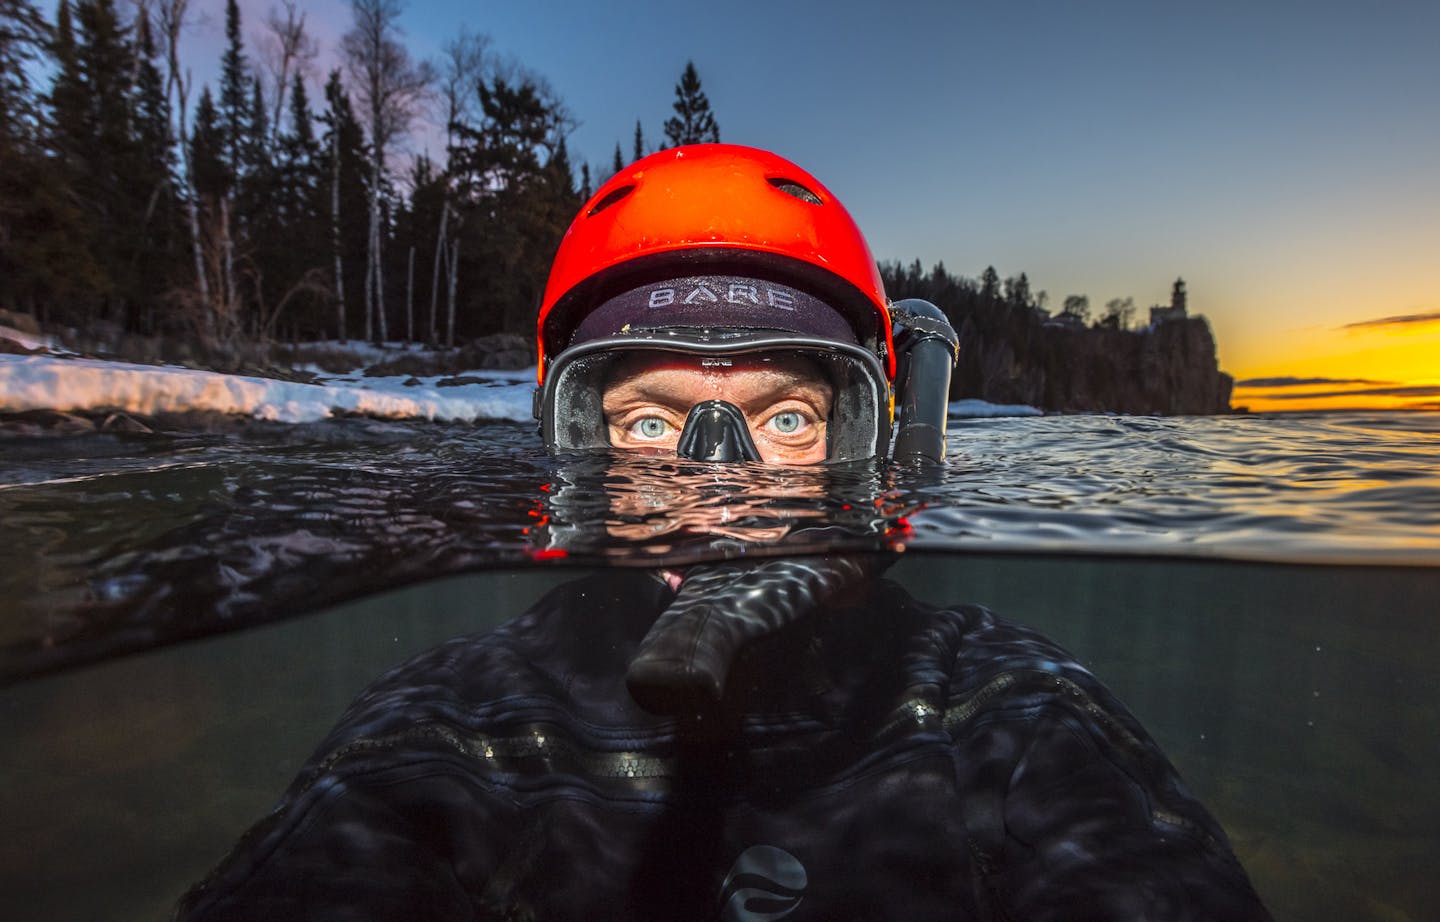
column 1169, row 368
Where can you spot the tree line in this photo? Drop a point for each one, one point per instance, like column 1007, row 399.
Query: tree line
column 1014, row 351
column 989, row 295
column 249, row 211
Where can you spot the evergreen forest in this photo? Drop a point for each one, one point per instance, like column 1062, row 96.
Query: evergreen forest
column 281, row 203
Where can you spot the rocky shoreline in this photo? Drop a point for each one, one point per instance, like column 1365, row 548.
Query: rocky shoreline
column 19, row 334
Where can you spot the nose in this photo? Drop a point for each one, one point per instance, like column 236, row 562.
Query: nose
column 716, row 431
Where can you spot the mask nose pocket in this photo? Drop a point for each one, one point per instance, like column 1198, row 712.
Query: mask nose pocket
column 716, row 431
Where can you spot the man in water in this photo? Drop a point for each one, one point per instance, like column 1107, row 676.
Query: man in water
column 795, row 738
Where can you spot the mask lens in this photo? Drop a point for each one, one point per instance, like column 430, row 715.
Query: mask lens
column 573, row 404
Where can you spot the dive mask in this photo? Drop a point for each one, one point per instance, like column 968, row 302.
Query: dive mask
column 571, row 411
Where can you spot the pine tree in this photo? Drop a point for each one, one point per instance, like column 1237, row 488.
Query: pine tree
column 256, row 187
column 152, row 116
column 561, row 173
column 162, row 241
column 989, row 285
column 22, row 37
column 1017, row 291
column 43, row 261
column 291, row 250
column 342, row 170
column 693, row 122
column 299, row 163
column 298, row 167
column 68, row 100
column 67, row 91
column 95, row 151
column 516, row 170
column 300, row 144
column 618, row 163
column 259, row 221
column 234, row 106
column 507, row 146
column 256, row 148
column 207, row 150
column 639, row 151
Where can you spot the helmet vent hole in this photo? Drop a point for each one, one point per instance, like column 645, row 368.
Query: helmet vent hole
column 791, row 187
column 609, row 200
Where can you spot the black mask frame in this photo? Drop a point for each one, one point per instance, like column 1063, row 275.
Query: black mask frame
column 570, row 403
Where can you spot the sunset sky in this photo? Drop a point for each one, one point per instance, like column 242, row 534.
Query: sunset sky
column 1283, row 157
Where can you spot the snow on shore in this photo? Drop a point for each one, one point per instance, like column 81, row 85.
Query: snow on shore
column 43, row 382
column 48, row 382
column 29, row 340
column 981, row 408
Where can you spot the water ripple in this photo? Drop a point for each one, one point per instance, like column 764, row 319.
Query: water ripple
column 124, row 541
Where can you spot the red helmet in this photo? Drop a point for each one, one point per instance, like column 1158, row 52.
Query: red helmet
column 715, row 210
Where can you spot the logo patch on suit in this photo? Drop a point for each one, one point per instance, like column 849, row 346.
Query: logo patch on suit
column 765, row 882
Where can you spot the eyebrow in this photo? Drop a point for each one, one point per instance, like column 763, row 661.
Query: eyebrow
column 807, row 391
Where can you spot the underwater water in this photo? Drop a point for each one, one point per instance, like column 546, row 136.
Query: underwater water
column 1261, row 592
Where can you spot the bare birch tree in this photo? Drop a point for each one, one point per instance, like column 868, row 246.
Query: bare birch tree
column 410, row 298
column 336, row 101
column 450, row 317
column 335, row 230
column 463, row 65
column 286, row 50
column 390, row 89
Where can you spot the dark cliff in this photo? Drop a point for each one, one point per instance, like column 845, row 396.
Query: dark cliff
column 1013, row 352
column 1167, row 369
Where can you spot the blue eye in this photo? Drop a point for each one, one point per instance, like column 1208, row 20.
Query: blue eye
column 787, row 422
column 651, row 427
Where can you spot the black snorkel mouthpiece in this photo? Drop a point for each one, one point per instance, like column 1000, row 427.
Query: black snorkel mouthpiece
column 927, row 348
column 682, row 665
column 716, row 431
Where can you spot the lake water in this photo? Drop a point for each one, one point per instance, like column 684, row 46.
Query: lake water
column 1261, row 591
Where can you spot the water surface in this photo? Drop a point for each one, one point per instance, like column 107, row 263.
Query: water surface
column 118, row 542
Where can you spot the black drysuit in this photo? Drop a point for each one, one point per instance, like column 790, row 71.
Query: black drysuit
column 873, row 759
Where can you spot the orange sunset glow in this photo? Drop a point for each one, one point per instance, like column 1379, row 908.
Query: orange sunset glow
column 1383, row 363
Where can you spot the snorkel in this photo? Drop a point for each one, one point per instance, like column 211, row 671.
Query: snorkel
column 927, row 348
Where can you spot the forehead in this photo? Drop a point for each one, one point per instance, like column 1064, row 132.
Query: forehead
column 736, row 377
